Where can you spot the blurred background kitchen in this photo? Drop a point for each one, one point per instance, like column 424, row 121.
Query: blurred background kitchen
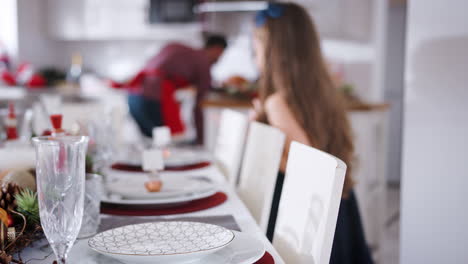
column 82, row 49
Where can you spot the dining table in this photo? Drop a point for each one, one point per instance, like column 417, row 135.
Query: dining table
column 232, row 214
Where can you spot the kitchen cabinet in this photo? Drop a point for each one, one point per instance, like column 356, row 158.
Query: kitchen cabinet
column 353, row 34
column 111, row 20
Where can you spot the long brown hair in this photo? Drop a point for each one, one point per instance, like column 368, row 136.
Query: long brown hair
column 294, row 67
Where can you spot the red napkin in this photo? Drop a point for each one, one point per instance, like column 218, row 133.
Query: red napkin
column 141, row 210
column 266, row 259
column 138, row 168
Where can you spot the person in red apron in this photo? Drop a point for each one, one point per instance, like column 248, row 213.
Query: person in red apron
column 151, row 97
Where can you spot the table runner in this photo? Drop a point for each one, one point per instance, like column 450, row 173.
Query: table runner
column 145, row 210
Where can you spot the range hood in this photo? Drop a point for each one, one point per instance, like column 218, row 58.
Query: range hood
column 230, row 6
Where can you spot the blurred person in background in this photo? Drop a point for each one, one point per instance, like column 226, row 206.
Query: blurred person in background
column 152, row 103
column 297, row 96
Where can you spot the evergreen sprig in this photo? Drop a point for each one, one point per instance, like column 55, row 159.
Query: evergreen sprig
column 28, row 206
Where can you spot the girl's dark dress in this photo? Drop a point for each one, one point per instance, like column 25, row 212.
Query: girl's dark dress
column 349, row 244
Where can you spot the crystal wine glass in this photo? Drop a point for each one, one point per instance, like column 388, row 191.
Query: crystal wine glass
column 60, row 169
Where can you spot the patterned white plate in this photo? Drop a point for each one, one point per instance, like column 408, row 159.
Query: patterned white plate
column 162, row 242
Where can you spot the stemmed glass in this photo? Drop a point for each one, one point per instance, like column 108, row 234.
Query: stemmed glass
column 60, row 169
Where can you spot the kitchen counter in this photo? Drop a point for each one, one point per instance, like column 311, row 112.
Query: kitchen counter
column 224, row 101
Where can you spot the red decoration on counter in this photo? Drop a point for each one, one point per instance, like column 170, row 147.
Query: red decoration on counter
column 26, row 75
column 11, row 123
column 36, row 81
column 7, row 78
column 12, row 133
column 47, row 132
column 56, row 121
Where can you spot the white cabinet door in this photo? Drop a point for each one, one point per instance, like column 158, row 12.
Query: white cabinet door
column 111, row 20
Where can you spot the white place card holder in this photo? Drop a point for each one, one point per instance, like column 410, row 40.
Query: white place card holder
column 153, row 160
column 161, row 136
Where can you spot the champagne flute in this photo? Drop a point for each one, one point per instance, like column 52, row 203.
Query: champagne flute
column 60, row 169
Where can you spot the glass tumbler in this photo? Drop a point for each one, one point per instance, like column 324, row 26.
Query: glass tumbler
column 60, row 169
column 92, row 205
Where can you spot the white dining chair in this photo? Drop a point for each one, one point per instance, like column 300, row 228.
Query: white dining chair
column 309, row 206
column 262, row 158
column 230, row 143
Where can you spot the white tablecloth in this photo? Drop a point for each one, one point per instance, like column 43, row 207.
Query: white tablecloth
column 80, row 253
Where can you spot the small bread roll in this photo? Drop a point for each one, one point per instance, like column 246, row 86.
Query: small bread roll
column 153, row 186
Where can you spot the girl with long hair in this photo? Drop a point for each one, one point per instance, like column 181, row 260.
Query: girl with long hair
column 297, row 96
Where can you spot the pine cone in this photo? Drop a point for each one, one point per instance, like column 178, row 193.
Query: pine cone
column 7, row 195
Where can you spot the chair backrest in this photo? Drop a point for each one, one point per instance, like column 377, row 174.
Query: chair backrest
column 230, row 143
column 262, row 158
column 309, row 205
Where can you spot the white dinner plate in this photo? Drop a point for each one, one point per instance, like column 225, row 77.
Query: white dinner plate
column 183, row 157
column 244, row 249
column 162, row 242
column 172, row 186
column 170, row 201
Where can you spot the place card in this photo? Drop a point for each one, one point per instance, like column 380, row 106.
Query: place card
column 153, row 160
column 161, row 136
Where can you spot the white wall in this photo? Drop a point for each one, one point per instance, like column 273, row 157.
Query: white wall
column 8, row 26
column 435, row 146
column 114, row 58
column 33, row 45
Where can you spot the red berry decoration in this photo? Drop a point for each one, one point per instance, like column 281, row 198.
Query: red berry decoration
column 10, row 221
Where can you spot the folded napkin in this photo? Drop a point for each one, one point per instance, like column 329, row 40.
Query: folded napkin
column 138, row 168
